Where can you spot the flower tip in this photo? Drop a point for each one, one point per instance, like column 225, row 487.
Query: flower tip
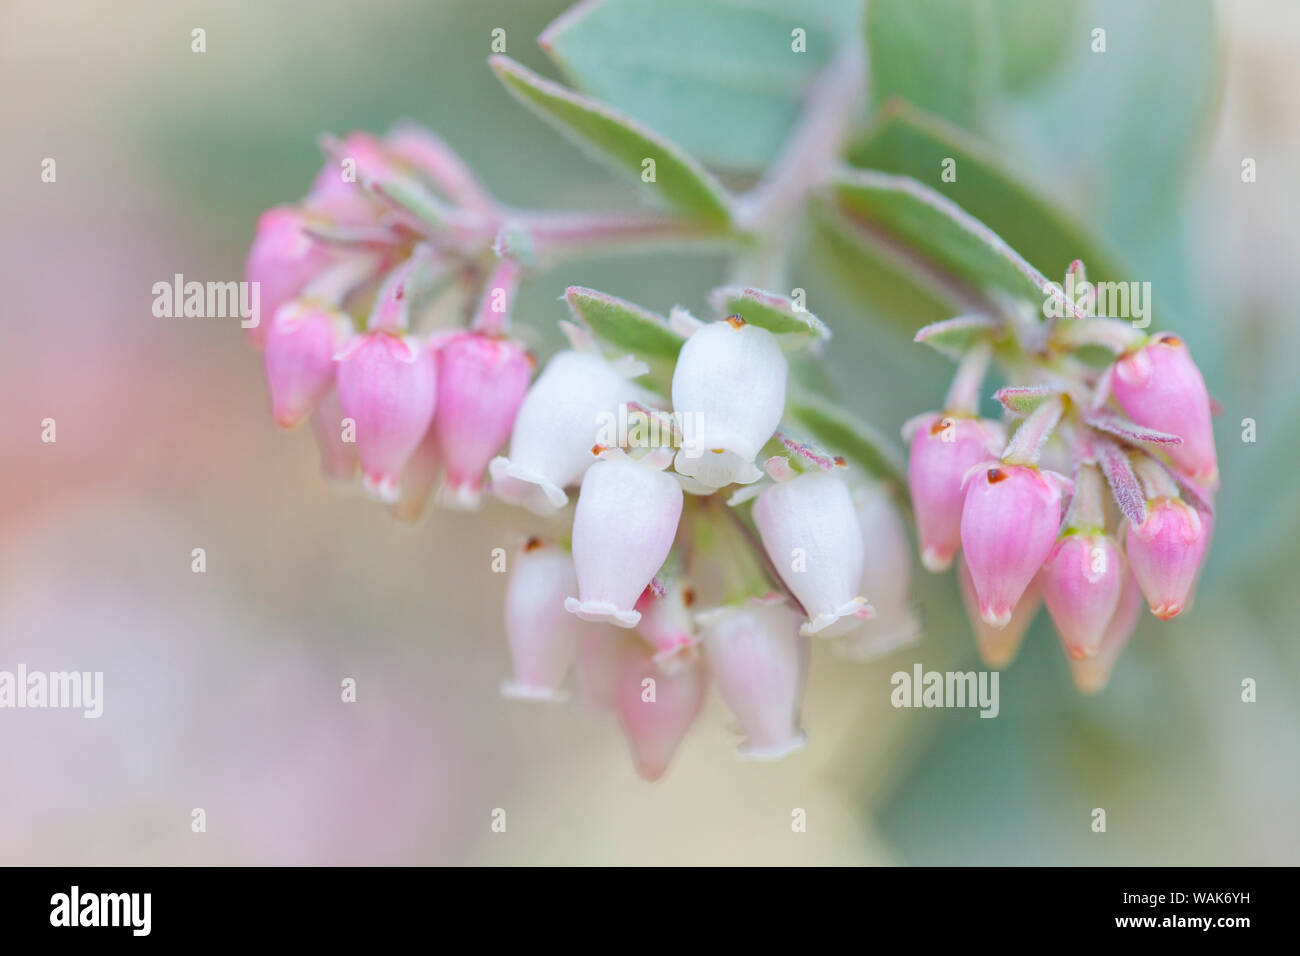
column 517, row 485
column 996, row 618
column 843, row 620
column 286, row 419
column 1077, row 652
column 936, row 560
column 773, row 752
column 382, row 488
column 460, row 497
column 513, row 690
column 602, row 612
column 1167, row 612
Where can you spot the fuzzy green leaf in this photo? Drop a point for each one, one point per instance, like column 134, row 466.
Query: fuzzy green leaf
column 724, row 79
column 768, row 310
column 612, row 137
column 623, row 325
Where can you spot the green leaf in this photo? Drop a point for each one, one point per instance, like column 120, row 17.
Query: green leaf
column 845, row 434
column 1033, row 38
column 939, row 54
column 906, row 140
column 768, row 310
column 900, row 212
column 720, row 77
column 620, row 141
column 952, row 337
column 623, row 325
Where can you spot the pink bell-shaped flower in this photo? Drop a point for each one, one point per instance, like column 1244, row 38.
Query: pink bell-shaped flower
column 729, row 394
column 387, row 385
column 481, row 382
column 810, row 530
column 753, row 655
column 558, row 422
column 943, row 448
column 1081, row 581
column 656, row 707
column 281, row 261
column 1159, row 386
column 597, row 667
column 998, row 647
column 1165, row 553
column 419, row 478
column 338, row 192
column 886, row 580
column 1009, row 523
column 1091, row 674
column 338, row 454
column 666, row 623
column 623, row 529
column 543, row 638
column 299, row 357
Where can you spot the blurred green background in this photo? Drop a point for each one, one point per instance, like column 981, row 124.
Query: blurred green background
column 222, row 689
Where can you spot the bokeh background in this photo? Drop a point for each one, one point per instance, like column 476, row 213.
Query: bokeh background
column 222, row 689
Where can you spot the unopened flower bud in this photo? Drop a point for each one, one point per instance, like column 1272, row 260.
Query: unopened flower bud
column 944, row 448
column 282, row 259
column 1009, row 523
column 387, row 385
column 657, row 707
column 998, row 646
column 481, row 382
column 1081, row 581
column 1091, row 674
column 1159, row 386
column 299, row 357
column 1165, row 553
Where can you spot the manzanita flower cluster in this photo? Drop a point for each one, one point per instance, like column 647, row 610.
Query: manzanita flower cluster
column 704, row 545
column 1028, row 519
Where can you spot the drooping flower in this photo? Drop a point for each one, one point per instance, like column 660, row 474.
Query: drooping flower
column 1091, row 674
column 656, row 707
column 886, row 579
column 299, row 357
column 281, row 261
column 1008, row 525
column 810, row 531
column 558, row 422
column 338, row 194
column 1081, row 582
column 753, row 655
column 729, row 391
column 666, row 623
column 597, row 667
column 543, row 638
column 1165, row 553
column 943, row 448
column 481, row 382
column 998, row 646
column 387, row 385
column 623, row 529
column 1159, row 386
column 338, row 456
column 419, row 477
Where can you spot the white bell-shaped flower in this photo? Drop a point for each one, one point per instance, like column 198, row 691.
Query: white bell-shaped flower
column 728, row 395
column 753, row 655
column 810, row 530
column 543, row 638
column 623, row 529
column 886, row 580
column 561, row 417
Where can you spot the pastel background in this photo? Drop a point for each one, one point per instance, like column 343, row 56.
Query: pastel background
column 222, row 689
